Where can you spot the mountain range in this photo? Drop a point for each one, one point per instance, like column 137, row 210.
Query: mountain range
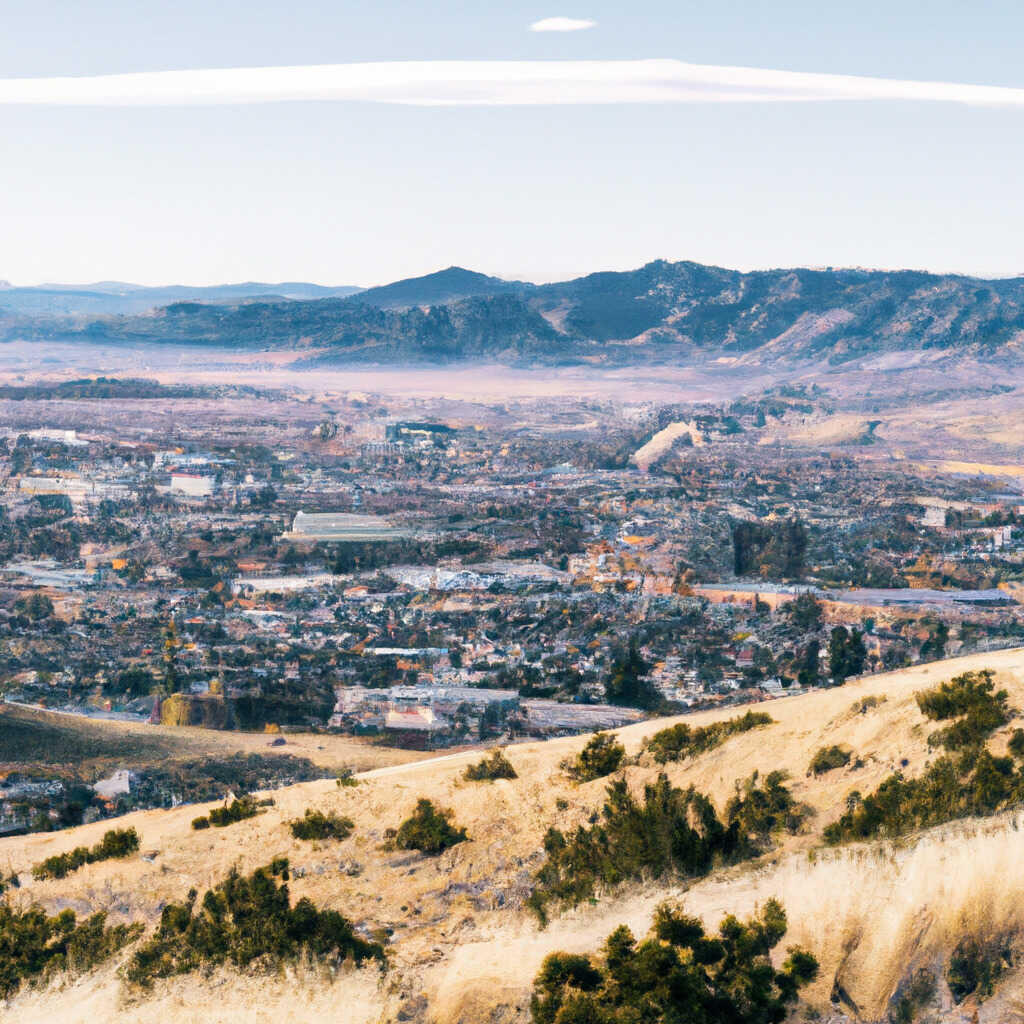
column 661, row 312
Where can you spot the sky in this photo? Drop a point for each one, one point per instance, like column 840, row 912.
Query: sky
column 355, row 191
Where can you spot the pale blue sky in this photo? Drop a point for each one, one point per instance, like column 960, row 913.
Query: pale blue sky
column 357, row 193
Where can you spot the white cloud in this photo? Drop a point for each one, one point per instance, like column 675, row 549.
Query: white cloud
column 489, row 83
column 562, row 25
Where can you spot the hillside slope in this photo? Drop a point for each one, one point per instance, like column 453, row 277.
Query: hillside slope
column 463, row 947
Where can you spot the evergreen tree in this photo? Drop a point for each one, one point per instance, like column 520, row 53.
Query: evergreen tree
column 627, row 685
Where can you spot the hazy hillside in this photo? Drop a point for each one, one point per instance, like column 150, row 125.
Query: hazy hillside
column 663, row 312
column 463, row 946
column 117, row 297
column 438, row 289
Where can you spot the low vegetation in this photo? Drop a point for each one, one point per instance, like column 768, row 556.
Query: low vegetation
column 317, row 825
column 220, row 817
column 601, row 756
column 760, row 810
column 972, row 783
column 972, row 700
column 497, row 766
column 244, row 921
column 118, row 842
column 677, row 974
column 917, row 993
column 428, row 829
column 682, row 741
column 974, row 967
column 827, row 759
column 969, row 781
column 35, row 946
column 671, row 830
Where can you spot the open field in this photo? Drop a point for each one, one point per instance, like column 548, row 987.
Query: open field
column 461, row 942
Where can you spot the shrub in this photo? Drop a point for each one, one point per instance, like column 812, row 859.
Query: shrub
column 761, row 810
column 970, row 699
column 243, row 920
column 317, row 825
column 865, row 704
column 973, row 783
column 346, row 777
column 681, row 741
column 678, row 974
column 975, row 967
column 827, row 759
column 33, row 946
column 918, row 992
column 1016, row 743
column 428, row 830
column 671, row 831
column 601, row 756
column 221, row 817
column 118, row 842
column 497, row 766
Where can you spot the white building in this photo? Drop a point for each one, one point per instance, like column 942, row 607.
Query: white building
column 194, row 485
column 342, row 526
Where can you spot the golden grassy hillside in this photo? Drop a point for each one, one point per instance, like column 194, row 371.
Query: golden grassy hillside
column 32, row 739
column 462, row 947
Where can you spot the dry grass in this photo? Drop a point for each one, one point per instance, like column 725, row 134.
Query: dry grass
column 460, row 936
column 103, row 743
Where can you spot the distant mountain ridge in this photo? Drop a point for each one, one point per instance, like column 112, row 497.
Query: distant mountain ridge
column 661, row 312
column 440, row 288
column 119, row 297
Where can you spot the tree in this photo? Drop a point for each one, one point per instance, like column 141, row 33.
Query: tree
column 846, row 653
column 677, row 975
column 807, row 669
column 934, row 647
column 428, row 830
column 626, row 684
column 601, row 756
column 36, row 606
column 171, row 681
column 805, row 612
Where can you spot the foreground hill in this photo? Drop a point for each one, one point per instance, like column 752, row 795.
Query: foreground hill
column 463, row 946
column 662, row 312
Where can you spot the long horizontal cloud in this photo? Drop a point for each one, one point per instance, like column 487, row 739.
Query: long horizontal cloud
column 489, row 83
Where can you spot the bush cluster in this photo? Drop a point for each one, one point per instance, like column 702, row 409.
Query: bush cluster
column 971, row 699
column 970, row 784
column 33, row 946
column 428, row 829
column 317, row 825
column 974, row 967
column 118, row 842
column 670, row 830
column 601, row 756
column 497, row 766
column 242, row 921
column 681, row 741
column 220, row 817
column 827, row 759
column 678, row 974
column 761, row 810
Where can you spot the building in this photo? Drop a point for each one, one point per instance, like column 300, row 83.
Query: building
column 339, row 527
column 192, row 485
